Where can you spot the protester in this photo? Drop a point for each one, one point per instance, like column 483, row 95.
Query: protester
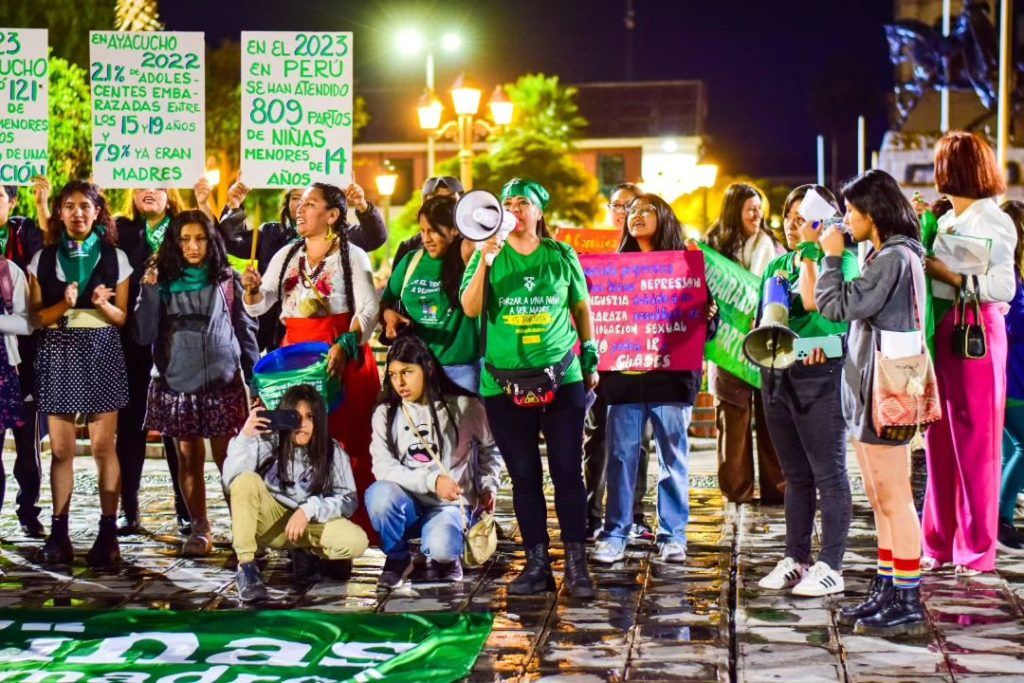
column 435, row 463
column 595, row 450
column 664, row 399
column 140, row 232
column 191, row 308
column 960, row 523
column 20, row 239
column 887, row 297
column 742, row 235
column 79, row 295
column 434, row 186
column 290, row 489
column 535, row 306
column 1011, row 539
column 805, row 415
column 368, row 234
column 422, row 296
column 325, row 287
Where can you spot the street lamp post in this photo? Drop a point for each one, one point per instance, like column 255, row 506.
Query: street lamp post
column 410, row 42
column 385, row 188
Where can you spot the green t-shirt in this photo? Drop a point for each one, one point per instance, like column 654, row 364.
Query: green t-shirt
column 529, row 310
column 452, row 336
column 808, row 323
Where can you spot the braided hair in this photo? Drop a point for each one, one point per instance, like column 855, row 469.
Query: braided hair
column 334, row 197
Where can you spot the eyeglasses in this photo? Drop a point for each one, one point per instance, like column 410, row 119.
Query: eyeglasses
column 616, row 208
column 644, row 209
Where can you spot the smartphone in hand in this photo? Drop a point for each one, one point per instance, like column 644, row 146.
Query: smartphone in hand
column 282, row 420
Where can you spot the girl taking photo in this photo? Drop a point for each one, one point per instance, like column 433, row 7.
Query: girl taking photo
column 434, row 460
column 78, row 288
column 191, row 309
column 291, row 488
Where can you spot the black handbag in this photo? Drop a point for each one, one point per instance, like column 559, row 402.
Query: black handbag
column 968, row 337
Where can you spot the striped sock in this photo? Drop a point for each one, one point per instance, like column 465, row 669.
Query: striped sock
column 885, row 563
column 906, row 573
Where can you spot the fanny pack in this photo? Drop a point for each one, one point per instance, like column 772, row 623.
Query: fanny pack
column 535, row 387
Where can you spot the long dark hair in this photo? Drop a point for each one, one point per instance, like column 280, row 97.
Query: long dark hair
column 669, row 234
column 335, row 199
column 438, row 386
column 726, row 235
column 439, row 211
column 319, row 451
column 169, row 260
column 56, row 228
column 877, row 194
column 287, row 219
column 1015, row 209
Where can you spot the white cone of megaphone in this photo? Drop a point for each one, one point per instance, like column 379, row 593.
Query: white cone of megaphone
column 479, row 216
column 814, row 207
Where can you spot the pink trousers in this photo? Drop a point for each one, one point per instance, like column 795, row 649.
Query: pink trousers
column 961, row 506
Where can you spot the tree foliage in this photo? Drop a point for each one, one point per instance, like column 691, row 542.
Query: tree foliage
column 69, row 23
column 137, row 15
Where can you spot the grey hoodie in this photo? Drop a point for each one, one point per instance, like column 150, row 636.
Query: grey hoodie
column 248, row 454
column 472, row 460
column 882, row 298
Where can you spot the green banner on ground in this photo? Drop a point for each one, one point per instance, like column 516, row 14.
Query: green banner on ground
column 737, row 292
column 152, row 646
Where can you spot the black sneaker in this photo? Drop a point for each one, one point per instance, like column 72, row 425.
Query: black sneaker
column 594, row 527
column 641, row 529
column 305, row 567
column 250, row 583
column 184, row 525
column 393, row 573
column 446, row 572
column 129, row 526
column 1011, row 540
column 32, row 527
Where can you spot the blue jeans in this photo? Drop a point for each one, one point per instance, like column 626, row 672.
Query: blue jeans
column 1013, row 462
column 398, row 516
column 626, row 423
column 466, row 376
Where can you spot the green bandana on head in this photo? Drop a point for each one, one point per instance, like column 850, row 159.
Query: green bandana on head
column 534, row 191
column 155, row 235
column 193, row 278
column 79, row 259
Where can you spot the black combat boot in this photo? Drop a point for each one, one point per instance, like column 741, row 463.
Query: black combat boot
column 105, row 552
column 577, row 576
column 903, row 615
column 57, row 548
column 536, row 576
column 879, row 594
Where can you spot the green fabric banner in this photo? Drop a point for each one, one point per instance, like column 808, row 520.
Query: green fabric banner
column 154, row 646
column 737, row 292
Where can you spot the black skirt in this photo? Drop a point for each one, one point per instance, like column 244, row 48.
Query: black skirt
column 80, row 370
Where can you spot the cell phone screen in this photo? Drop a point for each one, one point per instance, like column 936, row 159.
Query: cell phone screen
column 282, row 420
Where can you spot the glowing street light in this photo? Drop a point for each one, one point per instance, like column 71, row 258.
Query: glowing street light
column 429, row 111
column 385, row 188
column 501, row 107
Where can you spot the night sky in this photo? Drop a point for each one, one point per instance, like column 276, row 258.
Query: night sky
column 761, row 61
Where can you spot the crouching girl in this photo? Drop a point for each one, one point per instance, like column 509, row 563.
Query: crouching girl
column 290, row 489
column 422, row 418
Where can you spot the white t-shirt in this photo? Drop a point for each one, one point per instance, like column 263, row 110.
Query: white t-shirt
column 985, row 219
column 330, row 282
column 16, row 322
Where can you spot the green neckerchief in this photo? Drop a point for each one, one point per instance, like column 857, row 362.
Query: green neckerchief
column 79, row 259
column 5, row 234
column 192, row 279
column 155, row 235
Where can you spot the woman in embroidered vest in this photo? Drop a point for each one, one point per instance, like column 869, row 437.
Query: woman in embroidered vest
column 78, row 288
column 140, row 232
column 191, row 308
column 325, row 286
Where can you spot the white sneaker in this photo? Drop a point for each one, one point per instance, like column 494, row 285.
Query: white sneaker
column 607, row 553
column 820, row 580
column 673, row 552
column 786, row 573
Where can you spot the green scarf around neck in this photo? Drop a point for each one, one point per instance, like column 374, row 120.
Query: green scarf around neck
column 155, row 235
column 193, row 278
column 78, row 259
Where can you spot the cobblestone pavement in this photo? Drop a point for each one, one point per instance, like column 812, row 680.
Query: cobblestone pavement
column 704, row 621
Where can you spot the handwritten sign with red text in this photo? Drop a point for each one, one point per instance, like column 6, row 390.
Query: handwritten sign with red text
column 648, row 309
column 590, row 241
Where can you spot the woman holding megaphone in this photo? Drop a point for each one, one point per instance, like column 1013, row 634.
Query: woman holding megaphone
column 533, row 297
column 804, row 410
column 325, row 286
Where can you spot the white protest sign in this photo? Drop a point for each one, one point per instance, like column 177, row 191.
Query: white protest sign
column 297, row 108
column 148, row 104
column 24, row 99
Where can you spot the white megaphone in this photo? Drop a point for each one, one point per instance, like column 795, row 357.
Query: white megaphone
column 479, row 216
